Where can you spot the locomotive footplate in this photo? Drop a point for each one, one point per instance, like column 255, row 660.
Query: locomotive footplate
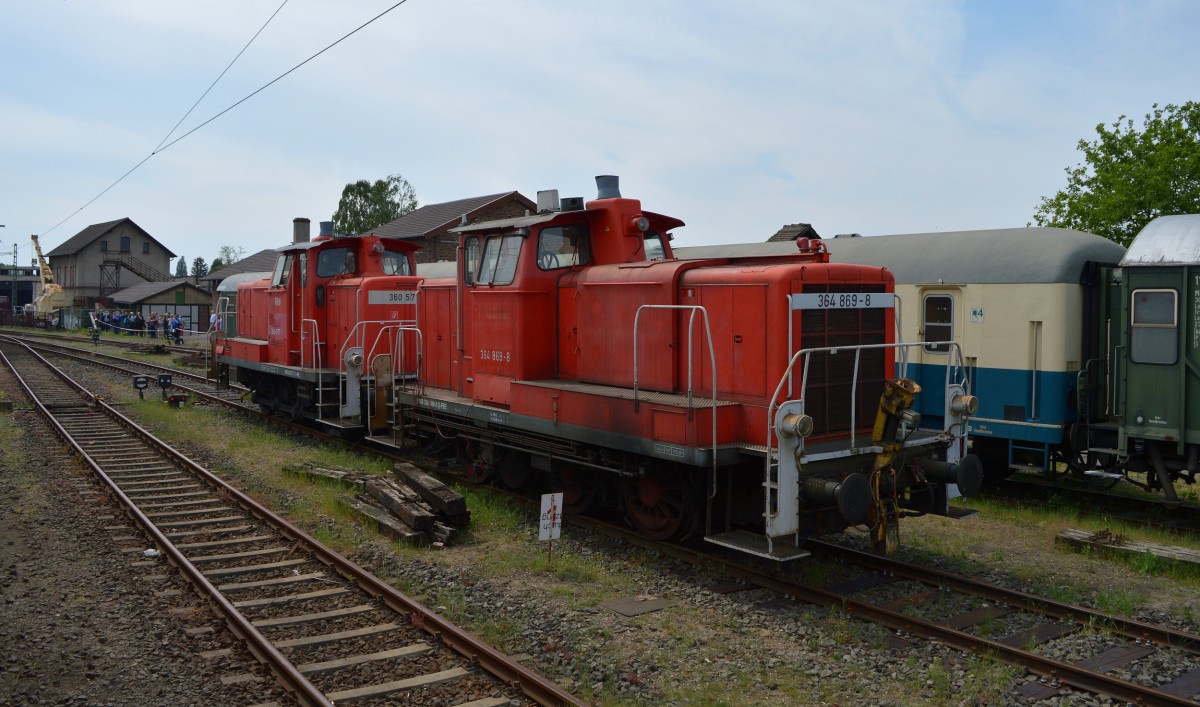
column 675, row 449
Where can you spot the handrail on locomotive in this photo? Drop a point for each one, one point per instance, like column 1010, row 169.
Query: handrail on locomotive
column 712, row 362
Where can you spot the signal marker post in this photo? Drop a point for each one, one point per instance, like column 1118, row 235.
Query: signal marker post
column 551, row 522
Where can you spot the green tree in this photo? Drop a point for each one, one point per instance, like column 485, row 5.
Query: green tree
column 181, row 267
column 365, row 205
column 199, row 269
column 217, row 264
column 1130, row 177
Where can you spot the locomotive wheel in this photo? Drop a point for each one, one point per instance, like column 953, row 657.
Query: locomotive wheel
column 577, row 489
column 657, row 502
column 475, row 467
column 513, row 470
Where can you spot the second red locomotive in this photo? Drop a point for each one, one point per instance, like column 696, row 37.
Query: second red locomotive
column 747, row 400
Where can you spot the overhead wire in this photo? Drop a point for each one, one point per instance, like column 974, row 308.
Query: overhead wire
column 214, row 83
column 162, row 147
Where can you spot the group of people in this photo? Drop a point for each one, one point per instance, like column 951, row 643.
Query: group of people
column 134, row 324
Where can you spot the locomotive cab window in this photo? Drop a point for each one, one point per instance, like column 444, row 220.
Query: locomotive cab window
column 283, row 268
column 471, row 260
column 938, row 322
column 654, row 246
column 563, row 247
column 1154, row 330
column 499, row 264
column 336, row 261
column 395, row 263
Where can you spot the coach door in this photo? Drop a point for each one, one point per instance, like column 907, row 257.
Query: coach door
column 1157, row 374
column 939, row 317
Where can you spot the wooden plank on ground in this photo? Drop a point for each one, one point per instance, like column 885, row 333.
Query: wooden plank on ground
column 347, row 478
column 440, row 496
column 388, row 494
column 387, row 524
column 1109, row 542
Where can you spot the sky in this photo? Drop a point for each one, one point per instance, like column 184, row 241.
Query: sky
column 871, row 117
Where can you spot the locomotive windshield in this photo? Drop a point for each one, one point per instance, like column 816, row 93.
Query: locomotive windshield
column 336, row 261
column 395, row 263
column 499, row 260
column 563, row 247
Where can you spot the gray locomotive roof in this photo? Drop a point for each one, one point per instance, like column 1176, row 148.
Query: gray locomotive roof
column 1167, row 240
column 1016, row 255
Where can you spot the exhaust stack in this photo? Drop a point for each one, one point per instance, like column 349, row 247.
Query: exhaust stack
column 608, row 186
column 301, row 230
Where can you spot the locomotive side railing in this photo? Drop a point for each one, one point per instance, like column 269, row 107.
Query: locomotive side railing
column 955, row 375
column 226, row 327
column 399, row 363
column 712, row 360
column 357, row 339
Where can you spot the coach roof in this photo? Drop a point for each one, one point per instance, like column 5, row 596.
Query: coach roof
column 1167, row 240
column 1003, row 255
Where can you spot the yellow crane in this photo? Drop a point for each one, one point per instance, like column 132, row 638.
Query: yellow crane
column 52, row 296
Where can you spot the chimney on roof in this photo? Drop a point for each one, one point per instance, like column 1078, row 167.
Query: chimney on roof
column 301, row 230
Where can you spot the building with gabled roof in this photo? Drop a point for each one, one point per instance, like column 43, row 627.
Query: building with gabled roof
column 192, row 304
column 105, row 258
column 794, row 231
column 429, row 226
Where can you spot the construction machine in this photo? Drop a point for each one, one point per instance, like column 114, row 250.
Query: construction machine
column 52, row 296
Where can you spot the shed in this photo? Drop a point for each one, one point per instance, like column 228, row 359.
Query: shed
column 192, row 304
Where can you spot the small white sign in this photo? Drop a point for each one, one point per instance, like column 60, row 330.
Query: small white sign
column 977, row 314
column 551, row 525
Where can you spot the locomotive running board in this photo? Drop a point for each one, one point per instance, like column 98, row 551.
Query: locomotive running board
column 784, row 548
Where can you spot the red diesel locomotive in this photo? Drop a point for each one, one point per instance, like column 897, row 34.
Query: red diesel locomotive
column 748, row 399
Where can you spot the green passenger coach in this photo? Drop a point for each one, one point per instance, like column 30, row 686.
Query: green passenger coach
column 1145, row 403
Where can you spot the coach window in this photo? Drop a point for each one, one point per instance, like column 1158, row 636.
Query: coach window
column 1154, row 334
column 395, row 263
column 499, row 260
column 563, row 247
column 939, row 324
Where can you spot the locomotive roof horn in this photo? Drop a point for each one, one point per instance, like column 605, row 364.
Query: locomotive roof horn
column 608, row 186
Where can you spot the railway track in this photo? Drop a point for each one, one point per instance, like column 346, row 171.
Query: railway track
column 328, row 630
column 1150, row 512
column 975, row 617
